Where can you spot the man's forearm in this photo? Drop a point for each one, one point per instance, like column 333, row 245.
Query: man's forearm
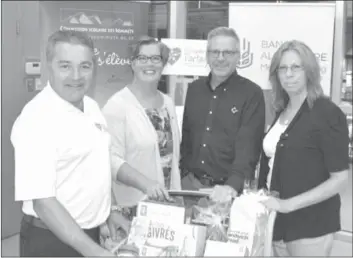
column 59, row 221
column 185, row 145
column 185, row 153
column 247, row 156
column 113, row 200
column 236, row 181
column 243, row 167
column 131, row 177
column 248, row 142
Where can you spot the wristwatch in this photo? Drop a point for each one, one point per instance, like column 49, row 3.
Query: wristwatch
column 116, row 208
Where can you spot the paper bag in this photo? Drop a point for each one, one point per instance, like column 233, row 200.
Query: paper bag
column 248, row 223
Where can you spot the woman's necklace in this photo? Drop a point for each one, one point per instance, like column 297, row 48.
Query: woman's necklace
column 290, row 112
column 287, row 116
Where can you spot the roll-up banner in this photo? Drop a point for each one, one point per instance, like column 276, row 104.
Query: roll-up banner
column 111, row 24
column 263, row 27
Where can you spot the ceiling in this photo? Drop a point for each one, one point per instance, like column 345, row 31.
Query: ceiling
column 205, row 15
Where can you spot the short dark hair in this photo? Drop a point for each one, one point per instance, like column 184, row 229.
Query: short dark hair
column 73, row 37
column 135, row 47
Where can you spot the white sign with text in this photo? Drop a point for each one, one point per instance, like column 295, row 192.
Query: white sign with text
column 276, row 23
column 187, row 57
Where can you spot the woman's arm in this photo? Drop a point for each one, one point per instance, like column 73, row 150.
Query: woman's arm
column 331, row 125
column 131, row 177
column 322, row 192
column 116, row 118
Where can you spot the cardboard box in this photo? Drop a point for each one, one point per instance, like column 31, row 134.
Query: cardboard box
column 164, row 212
column 155, row 238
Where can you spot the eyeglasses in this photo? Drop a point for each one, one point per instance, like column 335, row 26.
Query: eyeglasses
column 293, row 69
column 154, row 59
column 226, row 53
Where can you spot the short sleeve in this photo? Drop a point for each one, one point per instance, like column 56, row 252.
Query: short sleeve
column 334, row 140
column 116, row 123
column 35, row 161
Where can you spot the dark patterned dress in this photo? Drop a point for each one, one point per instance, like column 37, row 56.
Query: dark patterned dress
column 161, row 121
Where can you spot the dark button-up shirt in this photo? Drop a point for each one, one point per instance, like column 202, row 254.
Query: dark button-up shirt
column 223, row 129
column 314, row 145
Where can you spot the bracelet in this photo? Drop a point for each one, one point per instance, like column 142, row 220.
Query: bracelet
column 116, row 208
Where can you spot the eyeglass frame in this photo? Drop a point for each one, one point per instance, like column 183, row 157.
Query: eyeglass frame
column 225, row 53
column 149, row 58
column 293, row 68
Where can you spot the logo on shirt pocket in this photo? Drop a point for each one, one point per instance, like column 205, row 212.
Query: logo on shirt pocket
column 101, row 127
column 234, row 109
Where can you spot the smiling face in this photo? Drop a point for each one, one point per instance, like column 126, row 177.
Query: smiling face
column 71, row 71
column 148, row 64
column 291, row 73
column 222, row 64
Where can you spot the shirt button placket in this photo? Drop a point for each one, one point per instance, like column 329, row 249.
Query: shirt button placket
column 208, row 127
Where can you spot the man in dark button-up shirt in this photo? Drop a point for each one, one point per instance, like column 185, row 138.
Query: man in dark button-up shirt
column 224, row 119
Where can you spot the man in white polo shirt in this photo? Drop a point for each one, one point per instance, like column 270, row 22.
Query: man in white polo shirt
column 62, row 164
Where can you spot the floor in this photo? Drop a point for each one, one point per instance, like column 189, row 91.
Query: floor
column 10, row 248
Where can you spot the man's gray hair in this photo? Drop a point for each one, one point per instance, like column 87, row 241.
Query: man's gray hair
column 222, row 31
column 73, row 37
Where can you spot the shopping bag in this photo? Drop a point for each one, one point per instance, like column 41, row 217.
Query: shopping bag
column 248, row 223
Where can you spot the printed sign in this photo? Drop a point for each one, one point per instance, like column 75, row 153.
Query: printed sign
column 161, row 212
column 111, row 25
column 276, row 23
column 161, row 238
column 155, row 238
column 187, row 57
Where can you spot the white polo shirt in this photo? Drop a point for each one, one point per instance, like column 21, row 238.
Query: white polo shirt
column 64, row 153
